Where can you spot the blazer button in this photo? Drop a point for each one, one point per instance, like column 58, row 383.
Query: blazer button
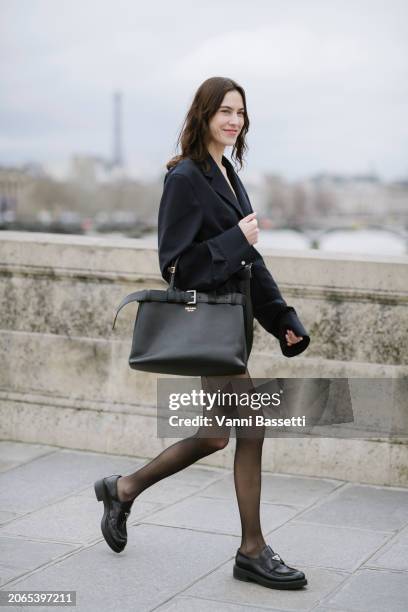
column 243, row 263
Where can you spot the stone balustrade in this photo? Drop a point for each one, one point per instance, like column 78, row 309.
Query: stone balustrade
column 65, row 379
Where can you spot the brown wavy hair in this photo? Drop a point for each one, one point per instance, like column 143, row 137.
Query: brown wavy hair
column 194, row 133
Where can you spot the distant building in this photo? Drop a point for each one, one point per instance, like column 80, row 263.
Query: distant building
column 89, row 170
column 13, row 181
column 363, row 194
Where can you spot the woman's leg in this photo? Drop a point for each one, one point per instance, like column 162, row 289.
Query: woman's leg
column 247, row 477
column 178, row 456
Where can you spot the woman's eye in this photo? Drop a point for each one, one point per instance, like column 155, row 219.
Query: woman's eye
column 225, row 110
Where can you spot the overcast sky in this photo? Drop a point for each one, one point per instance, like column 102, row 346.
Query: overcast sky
column 326, row 81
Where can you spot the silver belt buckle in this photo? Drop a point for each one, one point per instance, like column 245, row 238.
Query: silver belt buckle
column 194, row 292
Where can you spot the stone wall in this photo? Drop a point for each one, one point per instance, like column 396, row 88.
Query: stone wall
column 65, row 379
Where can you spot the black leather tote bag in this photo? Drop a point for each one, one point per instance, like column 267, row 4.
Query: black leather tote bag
column 190, row 333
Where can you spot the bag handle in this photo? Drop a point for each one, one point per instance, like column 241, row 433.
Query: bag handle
column 248, row 311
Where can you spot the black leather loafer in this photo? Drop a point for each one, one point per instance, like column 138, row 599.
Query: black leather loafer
column 268, row 569
column 113, row 523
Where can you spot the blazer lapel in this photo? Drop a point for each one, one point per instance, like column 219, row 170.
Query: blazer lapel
column 236, row 183
column 220, row 185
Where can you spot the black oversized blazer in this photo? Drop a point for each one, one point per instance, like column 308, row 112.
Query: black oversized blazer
column 198, row 220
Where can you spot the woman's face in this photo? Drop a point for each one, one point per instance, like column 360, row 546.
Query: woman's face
column 228, row 121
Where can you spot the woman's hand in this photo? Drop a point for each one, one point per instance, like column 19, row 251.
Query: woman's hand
column 249, row 226
column 291, row 338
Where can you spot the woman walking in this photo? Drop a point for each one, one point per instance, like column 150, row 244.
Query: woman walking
column 206, row 218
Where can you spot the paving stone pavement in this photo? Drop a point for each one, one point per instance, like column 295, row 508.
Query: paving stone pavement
column 350, row 539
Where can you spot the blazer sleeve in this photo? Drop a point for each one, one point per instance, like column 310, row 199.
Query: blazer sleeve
column 272, row 312
column 270, row 309
column 203, row 265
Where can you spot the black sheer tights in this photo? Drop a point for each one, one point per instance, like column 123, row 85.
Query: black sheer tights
column 207, row 440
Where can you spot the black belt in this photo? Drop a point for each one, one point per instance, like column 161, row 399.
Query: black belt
column 180, row 297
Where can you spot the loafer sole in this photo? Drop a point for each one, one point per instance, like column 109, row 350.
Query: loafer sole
column 103, row 495
column 248, row 576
